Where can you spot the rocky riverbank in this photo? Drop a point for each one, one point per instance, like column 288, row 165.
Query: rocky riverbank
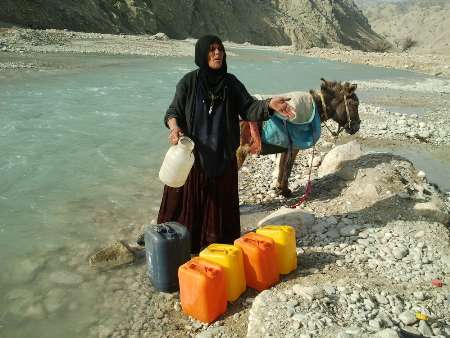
column 433, row 64
column 371, row 238
column 20, row 41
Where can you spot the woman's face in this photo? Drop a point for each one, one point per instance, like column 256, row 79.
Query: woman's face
column 215, row 56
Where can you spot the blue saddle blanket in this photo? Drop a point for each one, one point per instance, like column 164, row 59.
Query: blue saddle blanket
column 286, row 134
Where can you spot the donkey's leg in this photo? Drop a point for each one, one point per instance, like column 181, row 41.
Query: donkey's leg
column 241, row 154
column 244, row 143
column 285, row 168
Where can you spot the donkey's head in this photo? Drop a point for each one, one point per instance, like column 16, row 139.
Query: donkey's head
column 341, row 104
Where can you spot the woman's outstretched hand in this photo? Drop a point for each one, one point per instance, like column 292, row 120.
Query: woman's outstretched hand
column 279, row 103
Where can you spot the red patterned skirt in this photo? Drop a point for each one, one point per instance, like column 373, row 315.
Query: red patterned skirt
column 207, row 206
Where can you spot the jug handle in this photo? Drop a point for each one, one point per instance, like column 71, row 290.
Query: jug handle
column 207, row 270
column 210, row 272
column 260, row 244
column 219, row 250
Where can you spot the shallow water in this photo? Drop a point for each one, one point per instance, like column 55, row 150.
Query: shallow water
column 81, row 143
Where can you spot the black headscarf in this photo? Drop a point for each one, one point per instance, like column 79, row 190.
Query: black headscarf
column 213, row 80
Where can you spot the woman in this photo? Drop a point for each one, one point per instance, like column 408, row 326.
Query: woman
column 206, row 107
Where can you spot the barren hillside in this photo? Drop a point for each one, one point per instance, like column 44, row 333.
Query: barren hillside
column 427, row 23
column 304, row 23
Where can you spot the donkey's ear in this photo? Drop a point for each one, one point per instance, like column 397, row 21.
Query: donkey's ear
column 324, row 84
column 353, row 87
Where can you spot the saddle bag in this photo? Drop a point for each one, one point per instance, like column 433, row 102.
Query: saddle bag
column 289, row 134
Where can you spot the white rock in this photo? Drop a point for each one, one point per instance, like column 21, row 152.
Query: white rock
column 337, row 157
column 423, row 135
column 288, row 216
column 425, row 329
column 316, row 161
column 381, row 299
column 419, row 234
column 399, row 252
column 386, row 333
column 407, row 317
column 419, row 295
column 421, row 174
column 376, row 323
column 300, row 317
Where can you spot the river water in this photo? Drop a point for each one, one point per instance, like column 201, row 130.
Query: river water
column 81, row 144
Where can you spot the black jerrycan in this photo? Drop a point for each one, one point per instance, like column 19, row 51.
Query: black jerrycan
column 167, row 246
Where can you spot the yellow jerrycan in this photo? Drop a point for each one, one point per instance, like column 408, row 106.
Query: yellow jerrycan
column 230, row 258
column 284, row 237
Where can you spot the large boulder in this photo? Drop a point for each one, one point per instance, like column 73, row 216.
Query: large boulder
column 302, row 221
column 340, row 161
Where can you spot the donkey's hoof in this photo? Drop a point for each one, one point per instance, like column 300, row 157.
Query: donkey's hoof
column 286, row 192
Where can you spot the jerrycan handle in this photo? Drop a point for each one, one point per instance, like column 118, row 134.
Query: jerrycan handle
column 203, row 269
column 225, row 251
column 258, row 243
column 210, row 272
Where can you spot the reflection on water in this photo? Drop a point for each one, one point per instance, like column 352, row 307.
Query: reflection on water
column 81, row 145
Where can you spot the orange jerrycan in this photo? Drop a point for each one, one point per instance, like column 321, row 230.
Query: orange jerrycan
column 260, row 260
column 284, row 237
column 229, row 257
column 203, row 292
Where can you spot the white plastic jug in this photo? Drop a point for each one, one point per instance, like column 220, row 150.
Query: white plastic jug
column 177, row 163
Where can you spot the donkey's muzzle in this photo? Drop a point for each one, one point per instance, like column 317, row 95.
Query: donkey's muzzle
column 353, row 128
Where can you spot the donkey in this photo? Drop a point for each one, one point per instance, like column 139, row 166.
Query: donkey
column 335, row 100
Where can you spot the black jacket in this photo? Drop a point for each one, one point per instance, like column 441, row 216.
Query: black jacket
column 239, row 103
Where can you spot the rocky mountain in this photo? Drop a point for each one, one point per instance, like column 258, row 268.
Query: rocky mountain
column 424, row 23
column 304, row 23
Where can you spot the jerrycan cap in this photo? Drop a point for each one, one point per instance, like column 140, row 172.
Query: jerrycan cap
column 166, row 231
column 186, row 142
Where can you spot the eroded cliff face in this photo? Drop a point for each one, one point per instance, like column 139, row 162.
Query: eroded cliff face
column 304, row 23
column 326, row 23
column 425, row 22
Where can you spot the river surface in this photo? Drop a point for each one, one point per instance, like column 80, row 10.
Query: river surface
column 81, row 142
